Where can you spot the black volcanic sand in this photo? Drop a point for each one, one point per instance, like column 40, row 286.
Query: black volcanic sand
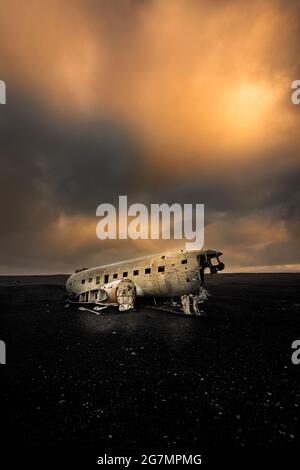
column 149, row 381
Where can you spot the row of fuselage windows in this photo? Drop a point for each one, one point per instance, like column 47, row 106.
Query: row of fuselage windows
column 136, row 272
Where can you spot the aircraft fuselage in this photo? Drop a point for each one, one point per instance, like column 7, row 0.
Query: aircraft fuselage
column 164, row 275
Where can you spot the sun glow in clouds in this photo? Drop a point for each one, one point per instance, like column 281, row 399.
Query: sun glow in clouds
column 246, row 111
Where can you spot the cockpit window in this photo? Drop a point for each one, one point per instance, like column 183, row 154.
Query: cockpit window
column 214, row 261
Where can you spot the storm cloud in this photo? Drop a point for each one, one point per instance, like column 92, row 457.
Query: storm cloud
column 184, row 101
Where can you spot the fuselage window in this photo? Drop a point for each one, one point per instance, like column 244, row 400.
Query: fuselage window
column 161, row 269
column 136, row 272
column 183, row 261
column 106, row 278
column 125, row 274
column 147, row 270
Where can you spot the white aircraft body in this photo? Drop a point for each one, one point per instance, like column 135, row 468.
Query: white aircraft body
column 177, row 275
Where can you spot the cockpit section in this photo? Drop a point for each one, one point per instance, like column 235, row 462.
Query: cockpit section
column 210, row 260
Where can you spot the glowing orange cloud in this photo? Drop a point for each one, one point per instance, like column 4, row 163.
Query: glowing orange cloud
column 191, row 79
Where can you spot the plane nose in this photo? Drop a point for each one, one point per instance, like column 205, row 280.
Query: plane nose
column 221, row 266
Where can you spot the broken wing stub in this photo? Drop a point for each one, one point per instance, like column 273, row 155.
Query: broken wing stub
column 126, row 295
column 120, row 293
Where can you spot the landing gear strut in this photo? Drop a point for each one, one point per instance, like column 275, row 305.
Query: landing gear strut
column 190, row 302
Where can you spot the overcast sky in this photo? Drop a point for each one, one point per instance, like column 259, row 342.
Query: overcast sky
column 165, row 101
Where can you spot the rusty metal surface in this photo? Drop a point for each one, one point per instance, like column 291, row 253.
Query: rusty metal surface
column 172, row 274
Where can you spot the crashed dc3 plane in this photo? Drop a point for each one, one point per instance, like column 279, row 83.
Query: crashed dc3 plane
column 177, row 275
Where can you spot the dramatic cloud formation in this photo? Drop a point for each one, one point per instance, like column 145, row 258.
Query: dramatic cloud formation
column 166, row 101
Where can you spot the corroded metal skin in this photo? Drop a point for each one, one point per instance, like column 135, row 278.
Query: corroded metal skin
column 172, row 274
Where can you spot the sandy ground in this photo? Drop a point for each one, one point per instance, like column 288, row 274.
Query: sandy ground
column 148, row 381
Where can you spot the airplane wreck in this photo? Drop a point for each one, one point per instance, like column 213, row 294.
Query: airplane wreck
column 177, row 275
